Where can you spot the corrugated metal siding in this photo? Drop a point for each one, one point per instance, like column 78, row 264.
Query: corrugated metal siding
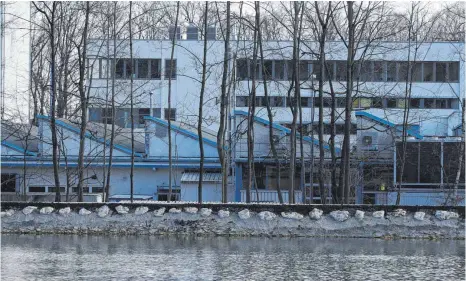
column 207, row 177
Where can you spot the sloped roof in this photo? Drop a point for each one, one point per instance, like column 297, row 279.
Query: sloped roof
column 209, row 137
column 386, row 123
column 120, row 141
column 283, row 129
column 20, row 137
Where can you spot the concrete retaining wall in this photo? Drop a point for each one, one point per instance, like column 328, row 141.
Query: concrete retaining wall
column 234, row 219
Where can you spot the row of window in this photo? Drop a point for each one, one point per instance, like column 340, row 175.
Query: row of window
column 52, row 189
column 367, row 71
column 123, row 115
column 339, row 129
column 340, row 102
column 142, row 68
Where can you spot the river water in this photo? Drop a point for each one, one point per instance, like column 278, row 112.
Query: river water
column 55, row 257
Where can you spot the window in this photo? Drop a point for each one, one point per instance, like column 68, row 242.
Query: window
column 428, row 72
column 356, row 103
column 453, row 71
column 267, row 69
column 54, row 189
column 391, row 71
column 417, row 71
column 305, row 102
column 260, row 101
column 119, row 70
column 316, row 69
column 429, row 103
column 143, row 69
column 36, row 188
column 377, row 103
column 379, row 71
column 443, row 103
column 415, row 103
column 329, row 70
column 279, row 70
column 107, row 116
column 365, row 71
column 170, row 69
column 157, row 112
column 400, row 103
column 171, row 112
column 277, row 101
column 128, row 68
column 142, row 113
column 391, row 103
column 163, row 192
column 8, row 183
column 97, row 189
column 327, row 102
column 94, row 65
column 242, row 101
column 303, row 70
column 402, row 71
column 155, row 69
column 341, row 102
column 365, row 102
column 440, row 72
column 289, row 69
column 242, row 69
column 341, row 71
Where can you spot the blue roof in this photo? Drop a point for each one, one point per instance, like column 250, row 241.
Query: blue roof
column 18, row 148
column 386, row 123
column 90, row 136
column 180, row 130
column 283, row 129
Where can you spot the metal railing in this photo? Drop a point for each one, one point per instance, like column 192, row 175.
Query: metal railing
column 270, row 196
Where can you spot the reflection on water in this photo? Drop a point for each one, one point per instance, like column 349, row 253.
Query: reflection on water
column 27, row 257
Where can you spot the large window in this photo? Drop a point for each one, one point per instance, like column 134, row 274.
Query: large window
column 428, row 72
column 242, row 101
column 417, row 71
column 170, row 69
column 242, row 69
column 403, row 72
column 276, row 101
column 441, row 72
column 379, row 71
column 171, row 112
column 143, row 69
column 120, row 68
column 155, row 69
column 341, row 71
column 107, row 116
column 143, row 112
column 391, row 71
column 303, row 70
column 128, row 68
column 279, row 70
column 453, row 71
column 267, row 69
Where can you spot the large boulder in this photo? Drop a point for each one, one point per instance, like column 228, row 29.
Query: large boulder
column 359, row 215
column 122, row 210
column 446, row 215
column 292, row 215
column 378, row 214
column 223, row 214
column 8, row 213
column 159, row 212
column 29, row 209
column 244, row 214
column 266, row 215
column 205, row 212
column 340, row 216
column 191, row 210
column 46, row 210
column 316, row 214
column 419, row 216
column 141, row 210
column 399, row 213
column 103, row 211
column 84, row 212
column 174, row 211
column 64, row 211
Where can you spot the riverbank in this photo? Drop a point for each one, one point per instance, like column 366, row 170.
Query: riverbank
column 354, row 221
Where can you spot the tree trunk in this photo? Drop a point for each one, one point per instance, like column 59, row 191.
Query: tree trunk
column 131, row 173
column 170, row 168
column 269, row 110
column 83, row 100
column 201, row 103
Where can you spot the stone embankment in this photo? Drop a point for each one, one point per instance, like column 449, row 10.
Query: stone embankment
column 234, row 220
